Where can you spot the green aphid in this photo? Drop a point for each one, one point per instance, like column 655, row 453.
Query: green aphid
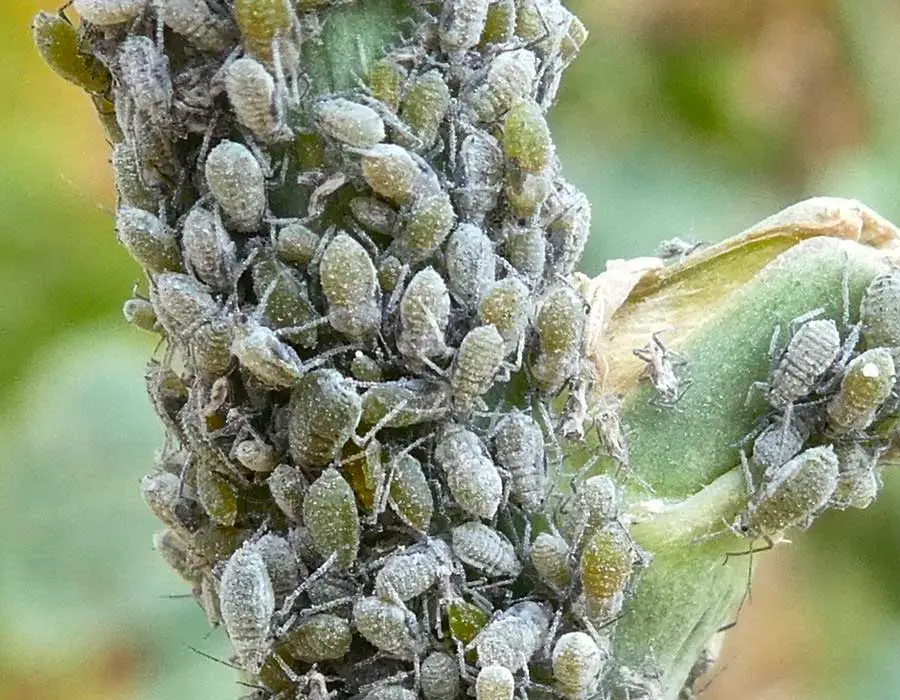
column 495, row 682
column 500, row 24
column 57, row 43
column 148, row 239
column 386, row 81
column 507, row 307
column 867, row 383
column 462, row 23
column 267, row 358
column 262, row 23
column 136, row 185
column 879, row 312
column 322, row 637
column 509, row 79
column 140, row 314
column 578, row 662
column 365, row 369
column 569, row 227
column 403, row 403
column 324, row 412
column 214, row 543
column 526, row 137
column 237, row 184
column 329, row 513
column 606, row 564
column 425, row 106
column 283, row 301
column 465, row 620
column 391, row 172
column 297, row 244
column 559, row 326
column 384, row 625
column 430, row 220
column 526, row 192
column 288, row 487
column 350, row 284
column 550, row 558
column 217, row 495
column 210, row 346
column 390, row 272
column 410, row 496
column 526, row 250
column 104, row 13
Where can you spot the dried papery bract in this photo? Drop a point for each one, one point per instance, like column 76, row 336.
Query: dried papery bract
column 236, row 182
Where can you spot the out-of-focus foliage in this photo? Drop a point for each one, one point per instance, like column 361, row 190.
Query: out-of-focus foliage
column 689, row 118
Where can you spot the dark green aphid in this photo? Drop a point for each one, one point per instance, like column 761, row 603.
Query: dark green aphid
column 483, row 548
column 365, row 369
column 255, row 99
column 324, row 412
column 386, row 81
column 500, row 24
column 526, row 137
column 507, row 307
column 217, row 495
column 322, row 637
column 425, row 106
column 288, row 486
column 237, row 184
column 477, row 362
column 559, row 326
column 194, row 20
column 107, row 12
column 57, row 43
column 296, row 244
column 867, row 383
column 148, row 240
column 349, row 122
column 409, row 494
column 403, row 403
column 350, row 285
column 283, row 302
column 329, row 513
column 471, row 264
column 136, row 185
column 208, row 249
column 606, row 564
column 471, row 475
column 140, row 313
column 176, row 554
column 265, row 24
column 384, row 625
column 391, row 272
column 424, row 316
column 879, row 312
column 431, row 218
column 264, row 355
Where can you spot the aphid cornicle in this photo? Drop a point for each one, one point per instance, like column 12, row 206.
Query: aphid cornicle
column 578, row 663
column 408, row 574
column 288, row 487
column 526, row 250
column 194, row 20
column 385, row 626
column 254, row 98
column 495, row 683
column 265, row 356
column 409, row 495
column 550, row 558
column 148, row 240
column 140, row 313
column 471, row 265
column 606, row 564
column 477, row 362
column 247, row 604
column 144, row 73
column 208, row 248
column 808, row 356
column 471, row 475
column 324, row 412
column 106, row 12
column 483, row 548
column 265, row 24
column 439, row 676
column 350, row 285
column 662, row 371
column 237, row 184
column 425, row 106
column 867, row 383
column 519, row 449
column 879, row 312
column 509, row 79
column 526, row 137
column 57, row 41
column 859, row 478
column 462, row 23
column 329, row 513
column 320, row 638
column 424, row 315
column 560, row 328
column 391, row 172
column 507, row 307
column 349, row 122
column 512, row 638
column 480, row 172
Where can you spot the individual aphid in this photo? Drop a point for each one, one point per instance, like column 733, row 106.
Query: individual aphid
column 391, row 172
column 136, row 185
column 879, row 312
column 386, row 81
column 214, row 543
column 176, row 554
column 182, row 304
column 574, row 38
column 140, row 313
column 329, row 513
column 106, row 12
column 168, row 395
column 507, row 307
column 483, row 548
column 550, row 558
column 792, row 494
column 387, row 627
column 391, row 272
column 408, row 574
column 350, row 285
column 349, row 122
column 519, row 449
column 288, row 487
column 859, row 479
column 210, row 346
column 57, row 42
column 365, row 369
column 425, row 106
column 513, row 637
column 777, row 443
column 247, row 604
column 324, row 412
column 296, row 244
column 195, row 21
column 526, row 193
column 424, row 316
column 606, row 415
column 374, row 215
column 208, row 249
column 606, row 564
column 144, row 73
column 283, row 302
column 677, row 249
column 462, row 23
column 479, row 168
column 217, row 495
column 264, row 25
column 508, row 79
column 255, row 99
column 439, row 676
column 281, row 563
column 542, row 23
column 237, row 184
column 594, row 504
column 256, row 455
column 578, row 663
column 500, row 24
column 662, row 371
column 465, row 620
column 559, row 326
column 403, row 403
column 866, row 384
column 430, row 219
column 526, row 137
column 477, row 362
column 470, row 262
column 148, row 240
column 322, row 637
column 263, row 354
column 525, row 248
column 569, row 228
column 495, row 683
column 391, row 692
column 471, row 475
column 409, row 495
column 161, row 492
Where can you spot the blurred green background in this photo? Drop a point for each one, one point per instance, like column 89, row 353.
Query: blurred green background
column 690, row 118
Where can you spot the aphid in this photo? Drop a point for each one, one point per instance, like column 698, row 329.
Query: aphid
column 161, row 492
column 329, row 513
column 508, row 79
column 462, row 23
column 281, row 563
column 106, row 12
column 480, row 172
column 778, row 443
column 572, row 41
column 208, row 248
column 424, row 316
column 859, row 480
column 288, row 486
column 662, row 371
column 374, row 215
column 439, row 676
column 541, row 23
column 391, row 692
column 322, row 637
column 365, row 369
column 255, row 99
column 867, row 383
column 512, row 638
column 559, row 327
column 790, row 495
column 486, row 550
column 519, row 449
column 136, row 186
column 217, row 495
column 350, row 285
column 264, row 25
column 391, row 272
column 148, row 240
column 465, row 620
column 256, row 455
column 500, row 25
column 176, row 554
column 296, row 244
column 477, row 362
column 550, row 558
column 507, row 307
column 607, row 418
column 283, row 302
column 386, row 81
column 181, row 303
column 578, row 662
column 408, row 574
column 526, row 193
column 324, row 412
column 237, row 184
column 247, row 604
column 495, row 683
column 391, row 172
column 57, row 43
column 403, row 403
column 471, row 475
column 677, row 249
column 201, row 26
column 387, row 627
column 526, row 250
column 606, row 564
column 425, row 106
column 409, row 494
column 349, row 122
column 140, row 313
column 144, row 73
column 595, row 503
column 879, row 312
column 470, row 262
column 569, row 229
column 264, row 355
column 526, row 137
column 429, row 222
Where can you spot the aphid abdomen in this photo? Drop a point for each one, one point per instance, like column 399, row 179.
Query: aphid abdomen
column 776, row 445
column 424, row 316
column 808, row 356
column 408, row 574
column 867, row 383
column 478, row 359
column 330, row 516
column 859, row 480
column 208, row 248
column 349, row 122
column 237, row 184
column 519, row 448
column 322, row 637
column 106, row 12
column 560, row 328
column 550, row 558
column 578, row 663
column 511, row 639
column 462, row 24
column 606, row 564
column 471, row 264
column 440, row 677
column 252, row 93
column 148, row 240
column 324, row 413
column 471, row 475
column 485, row 549
column 194, row 20
column 144, row 73
column 350, row 285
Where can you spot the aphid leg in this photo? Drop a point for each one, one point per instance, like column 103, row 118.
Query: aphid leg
column 803, row 318
column 307, row 582
column 748, row 475
column 761, row 387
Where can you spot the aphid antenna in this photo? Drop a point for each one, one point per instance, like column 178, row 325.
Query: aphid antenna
column 216, row 659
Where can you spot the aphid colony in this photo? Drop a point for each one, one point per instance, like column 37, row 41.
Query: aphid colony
column 345, row 283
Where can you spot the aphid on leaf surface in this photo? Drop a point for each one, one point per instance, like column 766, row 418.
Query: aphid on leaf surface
column 526, row 137
column 508, row 79
column 349, row 122
column 475, row 367
column 264, row 355
column 140, row 313
column 136, row 185
column 194, row 20
column 387, row 626
column 283, row 302
column 324, row 412
column 462, row 23
column 526, row 250
column 281, row 563
column 391, row 172
column 57, row 42
column 471, row 475
column 255, row 99
column 495, row 683
column 470, row 262
column 512, row 638
column 519, row 449
column 264, row 25
column 425, row 106
column 480, row 172
column 486, row 550
column 559, row 326
column 550, row 558
column 424, row 316
column 662, row 371
column 430, row 219
column 408, row 574
column 578, row 663
column 288, row 486
column 507, row 307
column 106, row 12
column 144, row 73
column 867, row 383
column 859, row 478
column 410, row 496
column 350, row 285
column 247, row 604
column 209, row 249
column 237, row 184
column 879, row 312
column 329, row 513
column 322, row 637
column 148, row 240
column 606, row 564
column 439, row 676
